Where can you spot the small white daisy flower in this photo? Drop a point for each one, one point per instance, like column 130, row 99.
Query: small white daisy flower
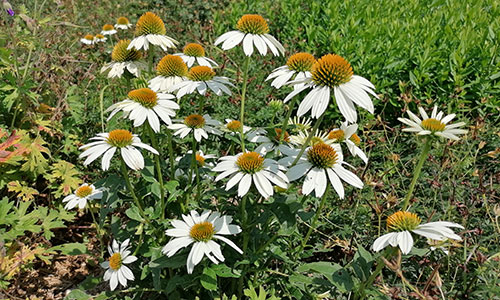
column 202, row 231
column 333, row 74
column 116, row 271
column 143, row 104
column 106, row 145
column 99, row 38
column 171, row 70
column 320, row 163
column 435, row 125
column 347, row 134
column 150, row 29
column 123, row 23
column 88, row 39
column 269, row 141
column 108, row 29
column 402, row 223
column 200, row 125
column 301, row 138
column 193, row 52
column 81, row 195
column 252, row 31
column 251, row 167
column 234, row 127
column 298, row 65
column 202, row 78
column 124, row 60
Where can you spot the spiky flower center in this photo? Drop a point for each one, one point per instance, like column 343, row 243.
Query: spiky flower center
column 194, row 121
column 120, row 138
column 172, row 65
column 194, row 49
column 200, row 159
column 301, row 62
column 254, row 24
column 149, row 23
column 201, row 73
column 331, row 70
column 275, row 104
column 403, row 221
column 83, row 191
column 250, row 162
column 121, row 54
column 355, row 139
column 278, row 137
column 108, row 27
column 122, row 21
column 145, row 96
column 337, row 135
column 99, row 36
column 433, row 125
column 115, row 261
column 322, row 156
column 202, row 232
column 89, row 37
column 234, row 126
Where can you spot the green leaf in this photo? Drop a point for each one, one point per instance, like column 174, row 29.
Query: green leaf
column 134, row 214
column 342, row 280
column 70, row 249
column 168, row 262
column 77, row 295
column 209, row 279
column 322, row 267
column 224, row 271
column 362, row 263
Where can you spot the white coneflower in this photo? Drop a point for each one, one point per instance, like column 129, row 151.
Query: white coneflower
column 202, row 78
column 116, row 271
column 99, row 38
column 171, row 70
column 301, row 137
column 299, row 124
column 81, row 195
column 435, row 125
column 201, row 231
column 234, row 127
column 269, row 141
column 347, row 134
column 299, row 64
column 402, row 223
column 252, row 31
column 143, row 104
column 251, row 167
column 333, row 74
column 88, row 39
column 150, row 29
column 123, row 23
column 106, row 144
column 123, row 59
column 108, row 29
column 193, row 52
column 320, row 163
column 200, row 125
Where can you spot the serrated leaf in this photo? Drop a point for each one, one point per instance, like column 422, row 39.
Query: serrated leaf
column 70, row 249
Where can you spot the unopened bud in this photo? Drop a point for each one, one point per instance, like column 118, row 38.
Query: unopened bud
column 8, row 8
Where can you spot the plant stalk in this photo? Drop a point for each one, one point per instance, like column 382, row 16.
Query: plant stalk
column 131, row 189
column 243, row 95
column 314, row 220
column 416, row 172
column 159, row 174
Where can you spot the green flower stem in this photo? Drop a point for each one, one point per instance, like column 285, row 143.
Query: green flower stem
column 131, row 189
column 243, row 94
column 151, row 56
column 285, row 122
column 309, row 137
column 246, row 238
column 171, row 154
column 314, row 220
column 416, row 172
column 98, row 230
column 388, row 253
column 159, row 174
column 202, row 103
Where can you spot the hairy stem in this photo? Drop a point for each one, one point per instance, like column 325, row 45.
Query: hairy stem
column 416, row 172
column 159, row 174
